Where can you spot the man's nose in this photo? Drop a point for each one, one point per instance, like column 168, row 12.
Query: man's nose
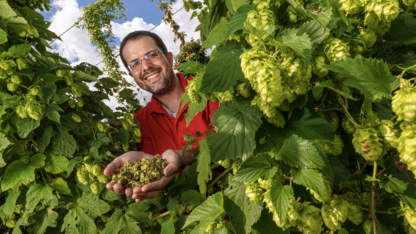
column 146, row 65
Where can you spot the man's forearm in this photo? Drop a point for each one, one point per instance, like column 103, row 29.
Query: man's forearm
column 188, row 157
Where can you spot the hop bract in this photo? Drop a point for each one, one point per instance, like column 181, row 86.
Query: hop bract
column 407, row 146
column 367, row 143
column 404, row 103
column 389, row 133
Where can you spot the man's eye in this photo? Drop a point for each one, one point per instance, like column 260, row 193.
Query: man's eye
column 135, row 63
column 152, row 55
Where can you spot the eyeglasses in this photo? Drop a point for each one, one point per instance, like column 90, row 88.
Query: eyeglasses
column 150, row 57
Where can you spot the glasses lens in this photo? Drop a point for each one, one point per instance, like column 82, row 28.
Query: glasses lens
column 134, row 65
column 152, row 56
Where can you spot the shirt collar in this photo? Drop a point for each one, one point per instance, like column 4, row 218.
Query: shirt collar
column 156, row 105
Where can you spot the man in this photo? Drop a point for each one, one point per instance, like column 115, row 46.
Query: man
column 162, row 122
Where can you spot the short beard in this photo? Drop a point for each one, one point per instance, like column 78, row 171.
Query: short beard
column 167, row 87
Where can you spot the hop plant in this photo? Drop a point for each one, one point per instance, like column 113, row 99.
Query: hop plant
column 318, row 66
column 236, row 164
column 96, row 170
column 95, row 188
column 68, row 79
column 72, row 103
column 292, row 214
column 379, row 27
column 254, row 193
column 21, row 111
column 332, row 118
column 265, row 184
column 3, row 74
column 369, row 37
column 4, row 65
column 261, row 19
column 367, row 143
column 80, row 102
column 351, row 7
column 348, row 125
column 368, row 227
column 102, row 178
column 34, row 111
column 406, row 147
column 331, row 147
column 125, row 123
column 210, row 228
column 226, row 163
column 76, row 118
column 386, row 10
column 327, row 194
column 389, row 134
column 311, row 220
column 404, row 103
column 82, row 175
column 224, row 96
column 137, row 135
column 335, row 213
column 296, row 75
column 76, row 89
column 12, row 86
column 211, row 97
column 21, row 64
column 192, row 92
column 101, row 127
column 11, row 223
column 16, row 79
column 34, row 91
column 411, row 4
column 355, row 215
column 336, row 50
column 273, row 115
column 244, row 89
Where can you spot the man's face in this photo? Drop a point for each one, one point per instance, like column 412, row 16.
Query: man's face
column 156, row 77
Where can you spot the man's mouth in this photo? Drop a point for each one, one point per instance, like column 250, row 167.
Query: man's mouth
column 152, row 77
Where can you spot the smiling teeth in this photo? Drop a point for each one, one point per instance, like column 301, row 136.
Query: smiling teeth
column 150, row 77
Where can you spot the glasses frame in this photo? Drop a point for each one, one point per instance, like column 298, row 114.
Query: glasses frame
column 146, row 57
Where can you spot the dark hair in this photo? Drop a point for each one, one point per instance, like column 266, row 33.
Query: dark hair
column 136, row 35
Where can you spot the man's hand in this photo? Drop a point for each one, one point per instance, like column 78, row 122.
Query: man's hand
column 148, row 191
column 152, row 190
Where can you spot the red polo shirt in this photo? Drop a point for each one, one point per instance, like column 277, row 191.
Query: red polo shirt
column 161, row 132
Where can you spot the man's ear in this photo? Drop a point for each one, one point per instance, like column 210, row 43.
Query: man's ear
column 169, row 55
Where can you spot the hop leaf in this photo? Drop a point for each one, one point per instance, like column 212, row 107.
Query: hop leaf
column 80, row 102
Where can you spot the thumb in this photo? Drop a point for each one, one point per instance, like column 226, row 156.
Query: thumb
column 170, row 169
column 113, row 167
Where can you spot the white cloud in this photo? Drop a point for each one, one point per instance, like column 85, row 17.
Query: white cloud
column 77, row 48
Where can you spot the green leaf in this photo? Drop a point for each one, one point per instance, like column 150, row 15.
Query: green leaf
column 316, row 32
column 91, row 203
column 298, row 152
column 21, row 172
column 47, row 91
column 45, row 138
column 11, row 101
column 64, row 142
column 19, row 50
column 253, row 168
column 281, row 196
column 61, row 186
column 322, row 18
column 110, row 195
column 406, row 191
column 330, row 85
column 36, row 193
column 25, row 126
column 371, row 76
column 217, row 35
column 102, row 139
column 4, row 141
column 237, row 124
column 72, row 164
column 206, row 212
column 168, row 226
column 17, row 25
column 266, row 224
column 82, row 76
column 121, row 136
column 224, row 70
column 44, row 219
column 193, row 109
column 204, row 166
column 341, row 172
column 402, row 30
column 238, row 19
column 8, row 206
column 78, row 220
column 244, row 213
column 3, row 36
column 56, row 164
column 311, row 179
column 108, row 83
column 239, row 3
column 52, row 115
column 49, row 78
column 191, row 65
column 192, row 197
column 120, row 223
column 137, row 212
column 126, row 93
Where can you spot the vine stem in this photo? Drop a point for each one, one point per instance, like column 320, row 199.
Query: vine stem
column 373, row 199
column 346, row 110
column 209, row 186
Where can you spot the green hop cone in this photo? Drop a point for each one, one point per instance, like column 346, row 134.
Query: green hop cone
column 21, row 111
column 296, row 76
column 369, row 37
column 34, row 91
column 318, row 66
column 386, row 10
column 3, row 74
column 76, row 89
column 265, row 184
column 82, row 175
column 224, row 96
column 335, row 213
column 285, row 223
column 95, row 188
column 389, row 134
column 210, row 228
column 34, row 111
column 409, row 214
column 126, row 148
column 96, row 170
column 236, row 165
column 80, row 102
column 60, row 73
column 351, row 7
column 404, row 103
column 11, row 223
column 17, row 208
column 244, row 89
column 137, row 135
column 72, row 103
column 407, row 146
column 254, row 193
column 101, row 127
column 272, row 115
column 21, row 64
column 407, row 227
column 211, row 97
column 251, row 60
column 368, row 227
column 367, row 143
column 226, row 163
column 411, row 4
column 194, row 96
column 68, row 79
column 379, row 27
column 332, row 118
column 126, row 124
column 355, row 215
column 336, row 50
column 12, row 86
column 347, row 125
column 268, row 84
column 311, row 220
column 262, row 20
column 103, row 179
column 16, row 79
column 129, row 118
column 11, row 63
column 76, row 118
column 331, row 147
column 327, row 194
column 4, row 65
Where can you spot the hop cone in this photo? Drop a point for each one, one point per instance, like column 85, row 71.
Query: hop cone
column 347, row 125
column 317, row 66
column 21, row 111
column 16, row 79
column 369, row 37
column 355, row 215
column 192, row 93
column 211, row 97
column 68, row 78
column 21, row 64
column 311, row 220
column 34, row 91
column 226, row 163
column 411, row 4
column 12, row 86
column 351, row 7
column 388, row 133
column 367, row 143
column 95, row 188
column 82, row 175
column 335, row 213
column 76, row 118
column 137, row 133
column 34, row 111
column 407, row 146
column 272, row 115
column 332, row 118
column 4, row 65
column 3, row 74
column 261, row 19
column 409, row 215
column 268, row 84
column 236, row 164
column 251, row 60
column 386, row 10
column 379, row 27
column 336, row 50
column 404, row 103
column 407, row 227
column 72, row 103
column 292, row 214
column 11, row 223
column 76, row 89
column 103, row 179
column 331, row 147
column 80, row 102
column 244, row 89
column 327, row 194
column 295, row 75
column 265, row 184
column 368, row 226
column 254, row 193
column 224, row 96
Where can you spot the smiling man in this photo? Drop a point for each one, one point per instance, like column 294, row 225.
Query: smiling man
column 162, row 121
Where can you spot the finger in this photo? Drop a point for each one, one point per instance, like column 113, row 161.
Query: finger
column 128, row 192
column 137, row 200
column 137, row 190
column 110, row 185
column 149, row 195
column 118, row 188
column 160, row 184
column 171, row 168
column 113, row 166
